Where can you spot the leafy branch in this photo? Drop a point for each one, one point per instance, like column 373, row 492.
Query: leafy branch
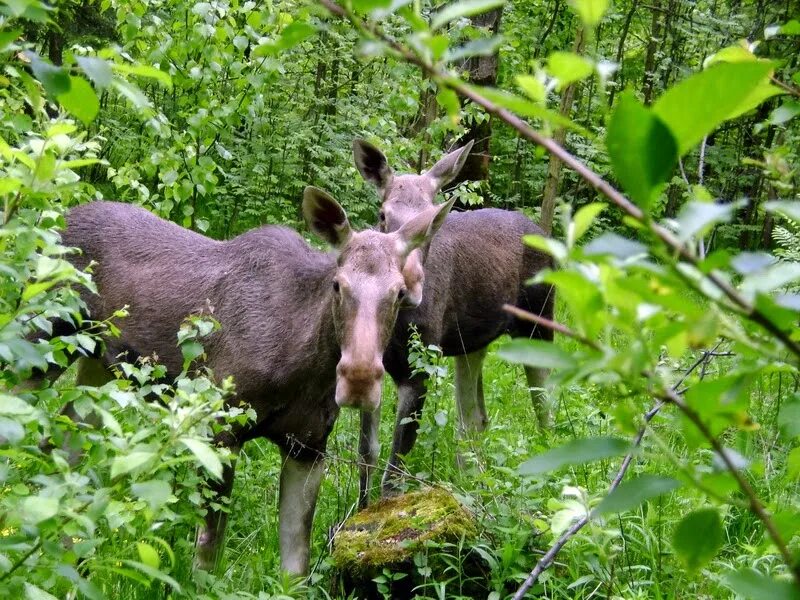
column 664, row 396
column 447, row 80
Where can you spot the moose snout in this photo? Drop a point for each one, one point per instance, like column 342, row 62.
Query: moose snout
column 358, row 383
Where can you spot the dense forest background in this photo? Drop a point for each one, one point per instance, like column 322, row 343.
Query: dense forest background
column 216, row 115
column 244, row 128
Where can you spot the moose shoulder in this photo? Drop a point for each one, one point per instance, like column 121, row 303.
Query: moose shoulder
column 475, row 264
column 302, row 331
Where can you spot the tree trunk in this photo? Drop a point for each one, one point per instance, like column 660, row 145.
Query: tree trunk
column 620, row 78
column 560, row 136
column 483, row 72
column 652, row 46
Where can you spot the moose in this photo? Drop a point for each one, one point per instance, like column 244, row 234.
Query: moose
column 474, row 265
column 302, row 331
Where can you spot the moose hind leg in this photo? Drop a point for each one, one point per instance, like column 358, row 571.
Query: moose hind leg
column 537, row 378
column 410, row 400
column 210, row 538
column 368, row 449
column 472, row 415
column 300, row 481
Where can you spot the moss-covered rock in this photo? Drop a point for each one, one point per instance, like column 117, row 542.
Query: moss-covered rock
column 388, row 534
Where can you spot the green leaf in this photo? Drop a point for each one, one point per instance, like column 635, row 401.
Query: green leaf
column 787, row 208
column 590, row 11
column 154, row 574
column 615, row 245
column 125, row 464
column 791, row 28
column 464, row 8
column 631, row 494
column 35, row 509
column 641, row 148
column 96, row 69
column 294, row 33
column 155, row 492
column 12, row 405
column 532, row 87
column 752, row 585
column 8, row 37
column 789, row 417
column 693, row 108
column 584, row 218
column 479, row 47
column 33, row 592
column 575, row 452
column 698, row 537
column 144, row 71
column 448, row 99
column 367, row 6
column 55, row 80
column 568, row 67
column 793, row 463
column 80, row 100
column 536, row 353
column 696, row 217
column 148, row 555
column 205, row 455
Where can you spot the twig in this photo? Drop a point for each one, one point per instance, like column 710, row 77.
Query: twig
column 548, row 558
column 670, row 396
column 740, row 303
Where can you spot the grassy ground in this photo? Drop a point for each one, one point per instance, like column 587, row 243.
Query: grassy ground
column 624, row 556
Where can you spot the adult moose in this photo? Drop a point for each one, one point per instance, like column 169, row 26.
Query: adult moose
column 474, row 265
column 302, row 331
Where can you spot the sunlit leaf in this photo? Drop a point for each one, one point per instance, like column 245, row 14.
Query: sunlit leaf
column 590, row 11
column 205, row 456
column 568, row 67
column 693, row 108
column 462, row 8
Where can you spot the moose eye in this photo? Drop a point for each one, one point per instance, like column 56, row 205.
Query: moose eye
column 335, row 286
column 382, row 216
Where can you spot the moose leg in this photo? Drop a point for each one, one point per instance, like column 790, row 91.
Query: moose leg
column 211, row 535
column 300, row 481
column 541, row 405
column 472, row 415
column 410, row 399
column 369, row 449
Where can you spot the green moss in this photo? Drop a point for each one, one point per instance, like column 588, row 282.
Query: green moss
column 391, row 531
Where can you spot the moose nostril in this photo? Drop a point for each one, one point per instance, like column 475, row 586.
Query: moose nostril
column 361, row 372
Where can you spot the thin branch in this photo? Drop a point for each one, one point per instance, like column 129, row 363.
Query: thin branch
column 670, row 396
column 547, row 560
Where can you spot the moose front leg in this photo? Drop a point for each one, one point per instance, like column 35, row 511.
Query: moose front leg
column 211, row 535
column 300, row 481
column 368, row 449
column 410, row 400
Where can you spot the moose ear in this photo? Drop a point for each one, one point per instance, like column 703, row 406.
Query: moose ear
column 421, row 228
column 444, row 171
column 371, row 163
column 325, row 217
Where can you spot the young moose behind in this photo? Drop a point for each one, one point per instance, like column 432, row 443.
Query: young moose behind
column 302, row 332
column 475, row 264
